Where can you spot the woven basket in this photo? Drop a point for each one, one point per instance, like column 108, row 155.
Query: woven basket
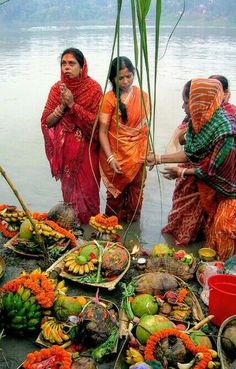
column 225, row 362
column 110, row 285
column 2, row 266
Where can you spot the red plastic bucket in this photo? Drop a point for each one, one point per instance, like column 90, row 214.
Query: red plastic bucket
column 222, row 298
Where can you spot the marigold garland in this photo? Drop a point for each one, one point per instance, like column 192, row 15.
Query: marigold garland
column 182, row 294
column 106, row 221
column 39, row 216
column 41, row 287
column 3, row 206
column 156, row 337
column 61, row 355
column 61, row 230
column 6, row 232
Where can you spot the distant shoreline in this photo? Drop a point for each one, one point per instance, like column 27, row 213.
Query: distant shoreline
column 188, row 21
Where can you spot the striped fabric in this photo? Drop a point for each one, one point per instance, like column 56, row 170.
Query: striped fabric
column 206, row 96
column 211, row 144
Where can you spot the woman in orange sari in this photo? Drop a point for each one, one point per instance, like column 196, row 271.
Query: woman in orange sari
column 211, row 148
column 123, row 138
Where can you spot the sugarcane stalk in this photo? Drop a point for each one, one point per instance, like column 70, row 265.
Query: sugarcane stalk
column 19, row 198
column 100, row 249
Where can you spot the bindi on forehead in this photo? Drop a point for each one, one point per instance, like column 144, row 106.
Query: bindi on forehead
column 68, row 57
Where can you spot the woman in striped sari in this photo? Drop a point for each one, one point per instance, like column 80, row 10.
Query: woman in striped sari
column 211, row 148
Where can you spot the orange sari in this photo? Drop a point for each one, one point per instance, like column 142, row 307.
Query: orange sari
column 128, row 143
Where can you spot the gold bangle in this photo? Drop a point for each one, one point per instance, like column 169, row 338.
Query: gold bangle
column 110, row 158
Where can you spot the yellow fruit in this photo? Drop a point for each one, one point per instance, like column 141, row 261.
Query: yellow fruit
column 160, row 250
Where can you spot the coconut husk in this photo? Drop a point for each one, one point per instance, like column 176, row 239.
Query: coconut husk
column 170, row 265
column 62, row 214
column 226, row 361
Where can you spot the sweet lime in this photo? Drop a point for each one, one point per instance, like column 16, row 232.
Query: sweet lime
column 144, row 304
column 150, row 324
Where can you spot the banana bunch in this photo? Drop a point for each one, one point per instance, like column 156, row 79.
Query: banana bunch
column 133, row 356
column 47, row 231
column 93, row 222
column 12, row 214
column 79, row 264
column 20, row 311
column 53, row 331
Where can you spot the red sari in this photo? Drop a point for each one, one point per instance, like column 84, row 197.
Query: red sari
column 73, row 159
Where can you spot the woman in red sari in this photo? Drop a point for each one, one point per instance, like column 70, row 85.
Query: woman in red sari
column 68, row 124
column 123, row 138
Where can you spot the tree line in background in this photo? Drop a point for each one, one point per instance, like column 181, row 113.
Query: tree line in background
column 65, row 12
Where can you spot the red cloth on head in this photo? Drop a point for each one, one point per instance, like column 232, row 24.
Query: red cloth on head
column 67, row 144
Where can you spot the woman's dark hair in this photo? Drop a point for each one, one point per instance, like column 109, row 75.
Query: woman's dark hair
column 187, row 87
column 116, row 66
column 76, row 53
column 223, row 80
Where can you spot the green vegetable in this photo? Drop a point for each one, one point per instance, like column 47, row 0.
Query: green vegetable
column 106, row 347
column 128, row 291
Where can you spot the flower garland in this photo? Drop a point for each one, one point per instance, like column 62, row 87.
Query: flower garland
column 61, row 230
column 6, row 232
column 206, row 356
column 61, row 356
column 39, row 216
column 3, row 227
column 41, row 287
column 3, row 206
column 182, row 294
column 106, row 221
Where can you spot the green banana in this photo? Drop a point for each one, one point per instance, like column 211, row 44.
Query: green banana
column 32, row 300
column 18, row 326
column 21, row 312
column 8, row 301
column 20, row 290
column 17, row 319
column 37, row 315
column 27, row 305
column 12, row 313
column 33, row 322
column 17, row 301
column 26, row 294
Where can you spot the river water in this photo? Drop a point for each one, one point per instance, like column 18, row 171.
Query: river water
column 29, row 65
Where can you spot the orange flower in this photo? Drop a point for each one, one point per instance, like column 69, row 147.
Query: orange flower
column 39, row 216
column 41, row 287
column 61, row 356
column 106, row 221
column 61, row 230
column 182, row 294
column 5, row 231
column 156, row 337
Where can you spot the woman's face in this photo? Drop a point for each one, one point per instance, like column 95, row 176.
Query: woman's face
column 70, row 66
column 185, row 105
column 125, row 79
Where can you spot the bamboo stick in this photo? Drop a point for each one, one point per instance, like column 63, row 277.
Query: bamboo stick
column 19, row 198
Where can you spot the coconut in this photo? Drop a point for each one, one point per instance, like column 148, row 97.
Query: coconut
column 144, row 304
column 199, row 338
column 26, row 230
column 66, row 306
column 150, row 324
column 229, row 340
column 62, row 214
